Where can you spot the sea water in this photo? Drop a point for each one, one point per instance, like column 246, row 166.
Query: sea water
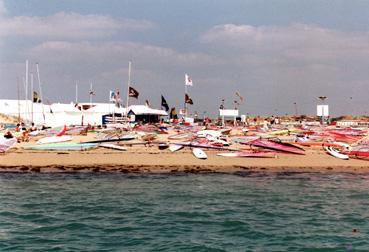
column 244, row 211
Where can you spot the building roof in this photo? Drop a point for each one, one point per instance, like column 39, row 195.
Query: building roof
column 144, row 110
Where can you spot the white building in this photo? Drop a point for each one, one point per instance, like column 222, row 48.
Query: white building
column 58, row 114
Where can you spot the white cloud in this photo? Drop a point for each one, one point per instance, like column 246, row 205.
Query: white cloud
column 100, row 52
column 3, row 9
column 297, row 41
column 64, row 25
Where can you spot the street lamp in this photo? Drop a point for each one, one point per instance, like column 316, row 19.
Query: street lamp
column 322, row 98
column 323, row 114
column 295, row 106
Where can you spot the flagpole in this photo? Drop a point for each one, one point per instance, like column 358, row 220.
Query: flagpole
column 128, row 84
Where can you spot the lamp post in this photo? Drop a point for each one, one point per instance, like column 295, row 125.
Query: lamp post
column 295, row 106
column 236, row 104
column 222, row 108
column 322, row 98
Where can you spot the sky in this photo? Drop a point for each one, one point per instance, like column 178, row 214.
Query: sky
column 279, row 55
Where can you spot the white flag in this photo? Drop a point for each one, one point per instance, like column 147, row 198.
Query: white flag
column 188, row 80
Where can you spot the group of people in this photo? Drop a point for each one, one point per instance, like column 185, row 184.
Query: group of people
column 21, row 132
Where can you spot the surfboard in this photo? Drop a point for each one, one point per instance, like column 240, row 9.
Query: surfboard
column 113, row 146
column 199, row 153
column 248, row 154
column 123, row 138
column 335, row 153
column 54, row 139
column 204, row 133
column 175, row 147
column 284, row 147
column 61, row 146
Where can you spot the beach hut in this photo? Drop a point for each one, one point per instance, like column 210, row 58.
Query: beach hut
column 145, row 114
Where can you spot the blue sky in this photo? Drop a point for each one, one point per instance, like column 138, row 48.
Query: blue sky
column 274, row 53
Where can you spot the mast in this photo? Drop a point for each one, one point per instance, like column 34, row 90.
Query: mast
column 40, row 91
column 18, row 91
column 91, row 92
column 32, row 96
column 185, row 104
column 76, row 92
column 128, row 84
column 26, row 91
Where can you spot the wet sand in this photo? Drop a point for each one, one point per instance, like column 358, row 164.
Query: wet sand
column 141, row 159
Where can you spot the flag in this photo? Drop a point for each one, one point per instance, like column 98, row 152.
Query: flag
column 133, row 92
column 35, row 97
column 173, row 113
column 164, row 103
column 147, row 103
column 112, row 96
column 188, row 99
column 239, row 96
column 188, row 80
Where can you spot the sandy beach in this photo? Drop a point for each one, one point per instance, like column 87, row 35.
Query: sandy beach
column 151, row 159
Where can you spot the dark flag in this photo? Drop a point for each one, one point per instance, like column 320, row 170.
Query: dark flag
column 164, row 103
column 188, row 99
column 35, row 97
column 133, row 92
column 147, row 103
column 173, row 113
